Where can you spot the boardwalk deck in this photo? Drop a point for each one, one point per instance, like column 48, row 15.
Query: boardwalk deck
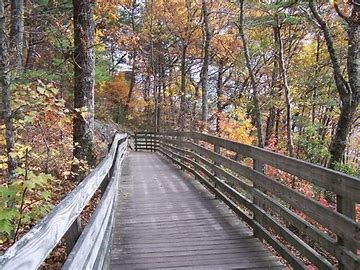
column 165, row 219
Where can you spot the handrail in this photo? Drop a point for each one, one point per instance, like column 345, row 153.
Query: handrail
column 276, row 212
column 33, row 248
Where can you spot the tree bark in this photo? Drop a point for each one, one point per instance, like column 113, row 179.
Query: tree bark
column 285, row 84
column 133, row 56
column 206, row 62
column 6, row 94
column 257, row 113
column 17, row 33
column 84, row 56
column 270, row 122
column 349, row 91
column 219, row 95
column 182, row 113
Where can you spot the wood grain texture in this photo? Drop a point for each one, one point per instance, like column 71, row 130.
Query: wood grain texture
column 88, row 247
column 343, row 226
column 265, row 220
column 165, row 219
column 203, row 162
column 32, row 249
column 340, row 183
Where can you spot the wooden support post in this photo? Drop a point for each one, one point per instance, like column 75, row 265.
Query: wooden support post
column 157, row 141
column 347, row 208
column 136, row 142
column 259, row 167
column 196, row 141
column 146, row 141
column 217, row 150
column 72, row 235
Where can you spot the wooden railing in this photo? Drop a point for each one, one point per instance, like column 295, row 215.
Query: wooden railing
column 281, row 215
column 88, row 248
column 145, row 141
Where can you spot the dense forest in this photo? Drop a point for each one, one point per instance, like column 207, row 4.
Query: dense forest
column 283, row 75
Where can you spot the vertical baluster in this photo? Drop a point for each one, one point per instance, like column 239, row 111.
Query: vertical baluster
column 347, row 208
column 259, row 167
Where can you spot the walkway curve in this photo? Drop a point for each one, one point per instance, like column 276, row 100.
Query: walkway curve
column 167, row 220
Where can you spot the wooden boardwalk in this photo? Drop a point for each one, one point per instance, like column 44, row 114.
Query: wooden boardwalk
column 167, row 220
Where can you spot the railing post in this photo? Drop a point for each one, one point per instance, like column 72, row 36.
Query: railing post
column 136, row 142
column 72, row 234
column 347, row 208
column 195, row 141
column 156, row 141
column 217, row 150
column 259, row 167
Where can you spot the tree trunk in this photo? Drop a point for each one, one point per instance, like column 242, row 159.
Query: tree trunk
column 84, row 56
column 270, row 122
column 17, row 33
column 206, row 62
column 350, row 101
column 349, row 91
column 183, row 106
column 219, row 95
column 257, row 113
column 285, row 85
column 133, row 56
column 6, row 94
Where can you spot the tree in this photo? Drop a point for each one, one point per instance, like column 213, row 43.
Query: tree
column 6, row 94
column 348, row 89
column 133, row 53
column 84, row 80
column 257, row 113
column 17, row 32
column 206, row 60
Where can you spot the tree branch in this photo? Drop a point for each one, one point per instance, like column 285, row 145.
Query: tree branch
column 341, row 84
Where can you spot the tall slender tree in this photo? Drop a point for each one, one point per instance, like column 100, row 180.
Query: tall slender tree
column 206, row 62
column 17, row 33
column 6, row 94
column 257, row 113
column 84, row 80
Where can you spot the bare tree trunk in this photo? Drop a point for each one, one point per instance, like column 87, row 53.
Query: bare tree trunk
column 183, row 106
column 17, row 33
column 206, row 62
column 219, row 94
column 257, row 113
column 285, row 85
column 84, row 56
column 133, row 56
column 317, row 70
column 6, row 94
column 270, row 122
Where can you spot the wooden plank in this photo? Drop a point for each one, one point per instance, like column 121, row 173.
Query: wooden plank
column 33, row 248
column 72, row 235
column 219, row 171
column 86, row 250
column 350, row 259
column 264, row 219
column 324, row 240
column 340, row 183
column 189, row 229
column 262, row 232
column 341, row 225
